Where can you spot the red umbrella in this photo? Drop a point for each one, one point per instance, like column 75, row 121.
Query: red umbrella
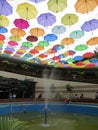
column 55, row 58
column 33, row 51
column 90, row 65
column 21, row 23
column 32, row 38
column 43, row 55
column 88, row 55
column 2, row 37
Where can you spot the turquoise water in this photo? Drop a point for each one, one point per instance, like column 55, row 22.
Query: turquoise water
column 59, row 121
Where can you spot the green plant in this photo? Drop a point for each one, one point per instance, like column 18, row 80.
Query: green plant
column 11, row 123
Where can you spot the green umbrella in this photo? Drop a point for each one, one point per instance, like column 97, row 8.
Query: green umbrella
column 81, row 47
column 57, row 5
column 69, row 19
column 43, row 43
column 70, row 60
column 27, row 44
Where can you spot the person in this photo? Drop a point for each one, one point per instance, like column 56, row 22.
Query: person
column 39, row 96
column 96, row 96
column 81, row 96
column 14, row 96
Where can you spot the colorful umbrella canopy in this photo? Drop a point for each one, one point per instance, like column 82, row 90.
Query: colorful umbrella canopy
column 85, row 6
column 21, row 23
column 33, row 29
column 69, row 19
column 27, row 11
column 5, row 8
column 57, row 5
column 46, row 19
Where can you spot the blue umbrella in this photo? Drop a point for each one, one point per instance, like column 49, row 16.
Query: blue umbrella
column 58, row 29
column 94, row 60
column 90, row 25
column 46, row 19
column 77, row 34
column 58, row 47
column 3, row 30
column 50, row 37
column 5, row 8
column 28, row 56
column 37, row 1
column 78, row 58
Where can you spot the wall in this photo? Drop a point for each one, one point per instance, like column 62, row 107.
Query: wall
column 43, row 82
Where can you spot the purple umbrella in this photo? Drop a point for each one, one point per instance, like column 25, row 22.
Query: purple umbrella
column 46, row 19
column 90, row 25
column 5, row 8
column 37, row 1
column 21, row 23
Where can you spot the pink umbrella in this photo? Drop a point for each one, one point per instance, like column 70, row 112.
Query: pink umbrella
column 12, row 43
column 21, row 23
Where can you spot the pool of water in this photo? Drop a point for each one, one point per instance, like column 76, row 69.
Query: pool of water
column 58, row 121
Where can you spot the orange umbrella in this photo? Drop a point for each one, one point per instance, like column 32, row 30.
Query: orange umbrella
column 1, row 42
column 37, row 31
column 85, row 6
column 92, row 41
column 67, row 41
column 38, row 48
column 17, row 32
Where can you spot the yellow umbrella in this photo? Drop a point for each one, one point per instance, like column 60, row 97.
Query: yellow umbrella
column 92, row 41
column 85, row 6
column 18, row 32
column 57, row 5
column 67, row 41
column 4, row 21
column 27, row 11
column 37, row 31
column 15, row 38
column 69, row 19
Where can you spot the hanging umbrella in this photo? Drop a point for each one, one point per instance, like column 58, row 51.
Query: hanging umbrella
column 33, row 51
column 37, row 31
column 50, row 37
column 39, row 48
column 10, row 49
column 2, row 37
column 3, row 30
column 59, row 64
column 2, row 42
column 78, row 58
column 37, row 1
column 67, row 41
column 17, row 32
column 15, row 38
column 27, row 44
column 69, row 19
column 90, row 25
column 5, row 8
column 62, row 56
column 58, row 29
column 55, row 58
column 94, row 60
column 90, row 65
column 12, row 43
column 52, row 51
column 58, row 47
column 70, row 60
column 81, row 47
column 88, row 55
column 85, row 6
column 21, row 23
column 28, row 55
column 27, row 11
column 69, row 53
column 31, row 38
column 43, row 43
column 92, row 41
column 43, row 55
column 57, row 5
column 77, row 34
column 46, row 19
column 4, row 21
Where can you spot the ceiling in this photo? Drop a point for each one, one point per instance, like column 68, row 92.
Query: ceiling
column 58, row 33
